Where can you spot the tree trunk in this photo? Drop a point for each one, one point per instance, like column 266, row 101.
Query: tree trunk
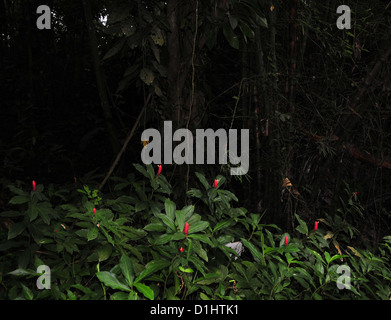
column 100, row 78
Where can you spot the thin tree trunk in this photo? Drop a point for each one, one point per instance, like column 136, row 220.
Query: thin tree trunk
column 105, row 104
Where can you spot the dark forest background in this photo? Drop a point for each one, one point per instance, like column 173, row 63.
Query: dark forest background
column 315, row 98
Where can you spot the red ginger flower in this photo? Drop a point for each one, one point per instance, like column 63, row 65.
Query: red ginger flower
column 216, row 182
column 34, row 185
column 286, row 240
column 159, row 171
column 94, row 210
column 186, row 230
column 181, row 249
column 316, row 225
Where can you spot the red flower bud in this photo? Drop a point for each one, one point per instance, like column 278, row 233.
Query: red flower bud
column 286, row 240
column 181, row 249
column 94, row 210
column 159, row 171
column 216, row 182
column 34, row 185
column 186, row 228
column 316, row 226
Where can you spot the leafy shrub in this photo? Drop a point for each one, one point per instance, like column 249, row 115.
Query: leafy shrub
column 131, row 244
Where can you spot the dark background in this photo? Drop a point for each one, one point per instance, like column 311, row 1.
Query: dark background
column 315, row 98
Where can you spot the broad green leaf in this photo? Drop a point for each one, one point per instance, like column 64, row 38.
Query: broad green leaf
column 32, row 211
column 16, row 229
column 302, row 227
column 152, row 267
column 233, row 22
column 186, row 270
column 141, row 169
column 145, row 290
column 167, row 221
column 327, row 256
column 180, row 219
column 127, row 269
column 200, row 251
column 246, row 30
column 337, row 256
column 155, row 226
column 198, row 226
column 201, row 237
column 22, row 272
column 17, row 190
column 28, row 294
column 19, row 199
column 222, row 225
column 231, row 37
column 92, row 233
column 170, row 207
column 254, row 251
column 203, row 181
column 162, row 239
column 109, row 279
column 71, row 295
column 119, row 295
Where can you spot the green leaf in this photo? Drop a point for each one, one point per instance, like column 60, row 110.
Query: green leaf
column 167, row 221
column 302, row 227
column 145, row 290
column 246, row 30
column 254, row 251
column 186, row 270
column 152, row 267
column 16, row 229
column 109, row 279
column 231, row 37
column 201, row 237
column 115, row 49
column 16, row 190
column 180, row 219
column 71, row 295
column 163, row 239
column 141, row 169
column 198, row 226
column 222, row 225
column 208, row 279
column 28, row 294
column 203, row 180
column 19, row 199
column 233, row 22
column 127, row 269
column 22, row 272
column 169, row 207
column 92, row 233
column 327, row 256
column 155, row 226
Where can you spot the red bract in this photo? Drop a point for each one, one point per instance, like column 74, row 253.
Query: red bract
column 94, row 210
column 286, row 241
column 159, row 171
column 216, row 183
column 186, row 230
column 316, row 226
column 34, row 185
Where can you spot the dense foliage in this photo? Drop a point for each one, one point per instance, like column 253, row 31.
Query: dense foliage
column 131, row 244
column 75, row 99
